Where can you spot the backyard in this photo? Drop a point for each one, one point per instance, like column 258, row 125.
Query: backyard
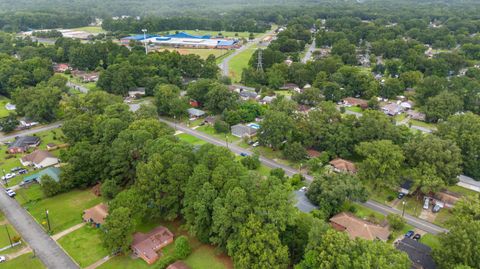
column 3, row 111
column 84, row 245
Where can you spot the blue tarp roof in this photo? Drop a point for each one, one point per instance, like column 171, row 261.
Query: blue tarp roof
column 163, row 38
column 185, row 35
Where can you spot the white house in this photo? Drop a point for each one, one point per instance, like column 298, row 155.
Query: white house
column 39, row 159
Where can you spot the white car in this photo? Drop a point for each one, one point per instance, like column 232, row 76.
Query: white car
column 3, row 259
column 256, row 144
column 10, row 192
column 8, row 176
column 426, row 203
column 303, row 189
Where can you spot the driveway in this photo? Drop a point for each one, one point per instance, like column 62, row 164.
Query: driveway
column 52, row 256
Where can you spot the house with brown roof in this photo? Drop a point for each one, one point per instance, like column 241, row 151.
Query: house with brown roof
column 96, row 215
column 39, row 159
column 178, row 265
column 146, row 246
column 359, row 228
column 343, row 166
column 351, row 101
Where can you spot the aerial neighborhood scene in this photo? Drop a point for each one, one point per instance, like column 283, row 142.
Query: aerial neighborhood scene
column 278, row 134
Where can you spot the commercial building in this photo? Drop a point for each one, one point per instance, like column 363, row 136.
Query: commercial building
column 183, row 40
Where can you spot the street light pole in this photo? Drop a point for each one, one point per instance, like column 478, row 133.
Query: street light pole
column 145, row 40
column 403, row 211
column 48, row 220
column 9, row 238
column 226, row 140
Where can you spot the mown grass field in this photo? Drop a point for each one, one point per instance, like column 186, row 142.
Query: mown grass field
column 65, row 210
column 203, row 53
column 26, row 261
column 240, row 62
column 91, row 29
column 84, row 245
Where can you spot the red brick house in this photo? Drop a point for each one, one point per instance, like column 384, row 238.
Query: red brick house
column 146, row 246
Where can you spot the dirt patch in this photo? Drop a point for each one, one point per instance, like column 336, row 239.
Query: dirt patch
column 428, row 215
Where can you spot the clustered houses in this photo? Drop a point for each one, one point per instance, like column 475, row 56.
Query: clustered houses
column 23, row 144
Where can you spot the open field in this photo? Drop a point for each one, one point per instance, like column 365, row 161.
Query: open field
column 65, row 210
column 3, row 111
column 24, row 261
column 215, row 33
column 90, row 29
column 240, row 62
column 84, row 245
column 191, row 139
column 211, row 131
column 203, row 53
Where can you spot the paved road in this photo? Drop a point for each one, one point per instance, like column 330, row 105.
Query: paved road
column 52, row 256
column 79, row 87
column 383, row 209
column 224, row 64
column 12, row 136
column 310, row 50
column 469, row 183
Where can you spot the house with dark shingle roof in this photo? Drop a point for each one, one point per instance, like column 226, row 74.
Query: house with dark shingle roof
column 22, row 144
column 419, row 254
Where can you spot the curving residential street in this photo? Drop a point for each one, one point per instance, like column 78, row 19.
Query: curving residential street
column 382, row 209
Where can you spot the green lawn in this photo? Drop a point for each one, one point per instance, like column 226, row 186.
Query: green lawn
column 24, row 261
column 204, row 258
column 423, row 124
column 84, row 245
column 240, row 62
column 431, row 241
column 3, row 111
column 91, row 29
column 30, row 194
column 65, row 210
column 208, row 129
column 125, row 262
column 215, row 33
column 380, row 195
column 4, row 236
column 366, row 213
column 462, row 190
column 354, row 109
column 190, row 139
column 413, row 206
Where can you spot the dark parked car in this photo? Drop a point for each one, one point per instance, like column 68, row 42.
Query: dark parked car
column 417, row 237
column 243, row 154
column 409, row 234
column 15, row 169
column 22, row 171
column 401, row 195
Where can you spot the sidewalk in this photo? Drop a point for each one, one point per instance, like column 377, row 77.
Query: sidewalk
column 67, row 231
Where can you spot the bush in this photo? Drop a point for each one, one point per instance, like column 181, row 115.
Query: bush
column 296, row 181
column 221, row 126
column 182, row 247
column 352, row 209
column 49, row 186
column 165, row 262
column 16, row 239
column 390, row 198
column 251, row 162
column 278, row 172
column 396, row 222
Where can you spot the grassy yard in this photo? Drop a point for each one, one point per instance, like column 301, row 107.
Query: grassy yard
column 211, row 131
column 215, row 33
column 356, row 109
column 423, row 124
column 84, row 245
column 191, row 139
column 28, row 196
column 4, row 236
column 366, row 213
column 91, row 29
column 3, row 111
column 205, row 257
column 24, row 261
column 413, row 206
column 240, row 62
column 65, row 210
column 431, row 241
column 462, row 190
column 203, row 53
column 381, row 195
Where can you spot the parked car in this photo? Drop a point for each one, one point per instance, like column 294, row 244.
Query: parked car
column 8, row 176
column 417, row 237
column 10, row 192
column 409, row 234
column 22, row 171
column 401, row 195
column 436, row 208
column 426, row 203
column 243, row 154
column 15, row 169
column 256, row 144
column 303, row 189
column 3, row 259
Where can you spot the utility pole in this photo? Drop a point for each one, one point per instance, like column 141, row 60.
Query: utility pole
column 403, row 210
column 145, row 40
column 226, row 140
column 48, row 220
column 259, row 61
column 9, row 238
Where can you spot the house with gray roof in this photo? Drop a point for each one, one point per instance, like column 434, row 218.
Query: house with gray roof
column 242, row 130
column 418, row 253
column 195, row 113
